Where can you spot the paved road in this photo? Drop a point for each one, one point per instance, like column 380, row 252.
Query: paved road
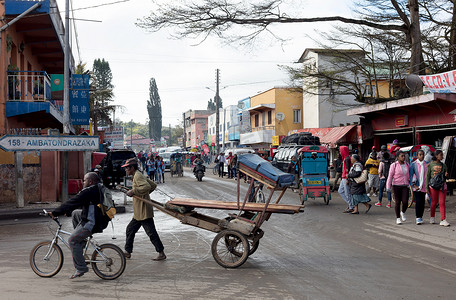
column 319, row 254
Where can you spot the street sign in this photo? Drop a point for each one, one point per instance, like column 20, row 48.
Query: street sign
column 48, row 143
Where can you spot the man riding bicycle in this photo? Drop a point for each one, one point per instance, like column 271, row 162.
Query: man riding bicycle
column 87, row 221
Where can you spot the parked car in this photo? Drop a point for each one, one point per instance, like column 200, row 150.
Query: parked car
column 113, row 173
column 166, row 159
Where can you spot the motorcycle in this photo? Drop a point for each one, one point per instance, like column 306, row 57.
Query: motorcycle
column 199, row 170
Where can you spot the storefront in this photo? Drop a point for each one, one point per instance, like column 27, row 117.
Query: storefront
column 425, row 119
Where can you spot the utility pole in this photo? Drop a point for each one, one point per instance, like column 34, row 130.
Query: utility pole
column 217, row 115
column 66, row 100
column 131, row 135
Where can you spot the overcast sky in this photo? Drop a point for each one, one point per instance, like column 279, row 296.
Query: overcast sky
column 183, row 71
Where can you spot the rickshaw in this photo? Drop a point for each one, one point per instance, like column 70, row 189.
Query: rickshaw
column 411, row 151
column 176, row 164
column 313, row 173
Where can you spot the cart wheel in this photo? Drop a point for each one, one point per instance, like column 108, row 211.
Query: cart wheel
column 326, row 199
column 230, row 248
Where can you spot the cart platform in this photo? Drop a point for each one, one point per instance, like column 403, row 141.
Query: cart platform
column 249, row 206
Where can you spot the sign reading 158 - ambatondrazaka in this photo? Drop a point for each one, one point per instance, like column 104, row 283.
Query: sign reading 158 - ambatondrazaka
column 48, row 143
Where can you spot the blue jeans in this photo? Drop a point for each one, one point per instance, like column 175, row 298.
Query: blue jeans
column 380, row 191
column 344, row 191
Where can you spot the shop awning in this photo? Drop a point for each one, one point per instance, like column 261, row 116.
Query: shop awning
column 330, row 135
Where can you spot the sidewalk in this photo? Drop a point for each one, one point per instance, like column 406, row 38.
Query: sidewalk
column 9, row 211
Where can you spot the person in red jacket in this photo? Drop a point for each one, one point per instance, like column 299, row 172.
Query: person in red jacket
column 344, row 188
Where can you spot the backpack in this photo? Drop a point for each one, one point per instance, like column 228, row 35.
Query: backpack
column 438, row 181
column 386, row 167
column 106, row 205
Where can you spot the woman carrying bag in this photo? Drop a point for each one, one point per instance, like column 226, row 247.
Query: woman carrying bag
column 436, row 185
column 357, row 180
column 399, row 179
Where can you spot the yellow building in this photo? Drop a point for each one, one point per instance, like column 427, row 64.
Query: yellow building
column 273, row 113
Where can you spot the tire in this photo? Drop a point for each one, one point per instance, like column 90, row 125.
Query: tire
column 54, row 262
column 260, row 197
column 230, row 248
column 199, row 176
column 326, row 199
column 110, row 267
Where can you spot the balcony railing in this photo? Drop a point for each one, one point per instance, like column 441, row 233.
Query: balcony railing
column 28, row 86
column 261, row 128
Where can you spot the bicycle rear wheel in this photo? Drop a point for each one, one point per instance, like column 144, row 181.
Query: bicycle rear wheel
column 108, row 261
column 46, row 261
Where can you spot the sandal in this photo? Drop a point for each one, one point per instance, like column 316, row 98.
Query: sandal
column 367, row 210
column 77, row 274
column 355, row 213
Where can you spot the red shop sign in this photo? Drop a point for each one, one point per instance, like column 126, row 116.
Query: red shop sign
column 401, row 121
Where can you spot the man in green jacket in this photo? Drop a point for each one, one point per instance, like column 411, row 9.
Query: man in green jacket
column 143, row 213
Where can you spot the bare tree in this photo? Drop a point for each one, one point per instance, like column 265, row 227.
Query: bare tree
column 216, row 17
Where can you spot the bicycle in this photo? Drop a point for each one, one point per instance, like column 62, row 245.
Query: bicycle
column 46, row 259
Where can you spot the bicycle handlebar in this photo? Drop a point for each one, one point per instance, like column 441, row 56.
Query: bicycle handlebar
column 45, row 213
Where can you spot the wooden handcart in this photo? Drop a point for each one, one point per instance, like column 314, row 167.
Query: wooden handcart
column 238, row 235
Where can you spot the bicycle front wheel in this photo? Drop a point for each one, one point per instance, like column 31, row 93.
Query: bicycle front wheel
column 46, row 260
column 108, row 261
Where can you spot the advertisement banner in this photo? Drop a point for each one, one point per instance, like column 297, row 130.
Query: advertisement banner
column 440, row 83
column 79, row 99
column 114, row 134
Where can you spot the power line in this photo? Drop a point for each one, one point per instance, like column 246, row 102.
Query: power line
column 100, row 5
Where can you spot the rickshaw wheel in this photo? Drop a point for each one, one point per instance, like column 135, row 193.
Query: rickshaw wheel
column 230, row 248
column 326, row 199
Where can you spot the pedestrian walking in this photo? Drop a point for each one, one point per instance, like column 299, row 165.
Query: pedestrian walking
column 158, row 175
column 233, row 164
column 344, row 188
column 143, row 213
column 221, row 161
column 418, row 171
column 383, row 172
column 357, row 190
column 398, row 180
column 373, row 180
column 436, row 175
column 151, row 168
column 228, row 163
column 338, row 167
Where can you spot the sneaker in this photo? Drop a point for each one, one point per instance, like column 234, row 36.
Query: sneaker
column 388, row 205
column 375, row 194
column 369, row 195
column 432, row 220
column 403, row 217
column 379, row 204
column 444, row 223
column 398, row 221
column 419, row 221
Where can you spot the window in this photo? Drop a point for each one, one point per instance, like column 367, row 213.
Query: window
column 270, row 117
column 257, row 120
column 296, row 116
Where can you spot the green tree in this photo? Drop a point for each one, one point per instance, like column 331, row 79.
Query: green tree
column 211, row 105
column 101, row 95
column 155, row 111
